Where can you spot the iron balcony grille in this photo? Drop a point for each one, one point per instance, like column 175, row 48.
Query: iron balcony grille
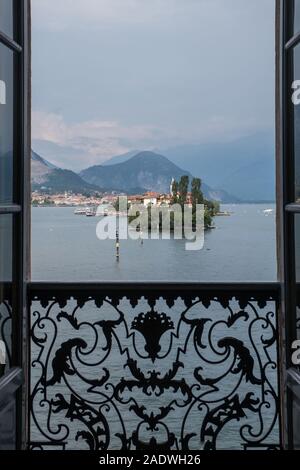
column 164, row 366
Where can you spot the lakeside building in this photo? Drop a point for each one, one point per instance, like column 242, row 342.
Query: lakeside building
column 70, row 199
column 150, row 198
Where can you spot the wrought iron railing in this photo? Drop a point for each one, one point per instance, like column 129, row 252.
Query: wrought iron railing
column 154, row 366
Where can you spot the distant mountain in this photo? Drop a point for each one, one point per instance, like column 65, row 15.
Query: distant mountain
column 147, row 170
column 38, row 160
column 253, row 182
column 49, row 178
column 121, row 158
column 60, row 155
column 244, row 167
column 40, row 169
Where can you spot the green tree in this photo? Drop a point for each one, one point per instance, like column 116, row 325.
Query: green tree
column 116, row 205
column 207, row 218
column 174, row 192
column 216, row 207
column 213, row 207
column 197, row 195
column 179, row 195
column 183, row 187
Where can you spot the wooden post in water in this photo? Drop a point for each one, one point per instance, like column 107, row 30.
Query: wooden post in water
column 117, row 246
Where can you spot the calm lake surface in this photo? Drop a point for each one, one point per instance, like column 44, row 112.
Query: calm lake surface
column 241, row 247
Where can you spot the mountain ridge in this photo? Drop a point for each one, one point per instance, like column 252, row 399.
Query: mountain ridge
column 145, row 171
column 244, row 167
column 148, row 170
column 49, row 178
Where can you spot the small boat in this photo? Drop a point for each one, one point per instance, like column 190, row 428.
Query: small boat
column 223, row 213
column 90, row 212
column 80, row 211
column 268, row 211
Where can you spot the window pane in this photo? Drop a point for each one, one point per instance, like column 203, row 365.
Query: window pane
column 6, row 224
column 5, row 327
column 297, row 246
column 296, row 111
column 6, row 123
column 168, row 104
column 6, row 17
column 296, row 422
column 297, row 267
column 6, row 231
column 296, row 22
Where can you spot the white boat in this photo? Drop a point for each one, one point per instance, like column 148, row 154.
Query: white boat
column 102, row 210
column 90, row 212
column 268, row 211
column 80, row 211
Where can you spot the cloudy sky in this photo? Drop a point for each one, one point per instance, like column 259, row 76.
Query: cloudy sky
column 110, row 76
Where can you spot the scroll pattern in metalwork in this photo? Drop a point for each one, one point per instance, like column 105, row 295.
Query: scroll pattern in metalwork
column 153, row 373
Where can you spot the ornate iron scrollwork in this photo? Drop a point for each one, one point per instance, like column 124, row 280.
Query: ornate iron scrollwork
column 145, row 371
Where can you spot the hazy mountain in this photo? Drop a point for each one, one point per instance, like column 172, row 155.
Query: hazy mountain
column 121, row 158
column 36, row 159
column 253, row 182
column 244, row 167
column 62, row 156
column 40, row 169
column 147, row 170
column 47, row 177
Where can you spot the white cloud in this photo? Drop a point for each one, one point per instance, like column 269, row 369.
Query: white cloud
column 97, row 140
column 93, row 142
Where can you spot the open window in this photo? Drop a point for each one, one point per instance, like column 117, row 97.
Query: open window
column 14, row 220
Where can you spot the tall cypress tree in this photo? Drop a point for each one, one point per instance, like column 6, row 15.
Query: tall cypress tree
column 174, row 192
column 183, row 187
column 197, row 195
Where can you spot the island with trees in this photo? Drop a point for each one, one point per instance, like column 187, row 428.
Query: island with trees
column 185, row 193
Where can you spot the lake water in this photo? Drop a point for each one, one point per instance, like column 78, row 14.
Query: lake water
column 242, row 247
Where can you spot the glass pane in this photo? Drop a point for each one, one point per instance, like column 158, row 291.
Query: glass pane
column 297, row 266
column 6, row 17
column 171, row 108
column 6, row 227
column 297, row 246
column 8, row 426
column 296, row 22
column 6, row 233
column 296, row 112
column 6, row 123
column 5, row 327
column 296, row 423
